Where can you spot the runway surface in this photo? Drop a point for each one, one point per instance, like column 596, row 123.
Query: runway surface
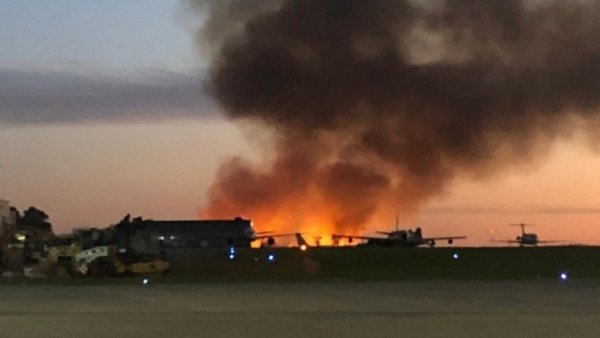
column 342, row 309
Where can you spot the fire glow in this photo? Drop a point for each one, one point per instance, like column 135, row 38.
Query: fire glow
column 315, row 231
column 317, row 202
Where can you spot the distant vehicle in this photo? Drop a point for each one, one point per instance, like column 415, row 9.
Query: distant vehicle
column 401, row 238
column 106, row 261
column 525, row 238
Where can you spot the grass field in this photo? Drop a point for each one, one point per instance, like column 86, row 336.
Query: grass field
column 369, row 264
column 390, row 264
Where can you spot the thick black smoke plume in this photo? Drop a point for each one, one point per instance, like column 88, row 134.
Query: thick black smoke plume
column 379, row 104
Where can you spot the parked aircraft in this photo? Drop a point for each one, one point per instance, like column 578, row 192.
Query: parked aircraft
column 402, row 238
column 526, row 238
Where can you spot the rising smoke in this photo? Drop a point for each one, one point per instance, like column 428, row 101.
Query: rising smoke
column 378, row 105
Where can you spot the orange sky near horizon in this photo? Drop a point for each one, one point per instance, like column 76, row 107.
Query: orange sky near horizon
column 94, row 175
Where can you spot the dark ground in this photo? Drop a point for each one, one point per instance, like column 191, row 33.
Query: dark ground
column 334, row 309
column 351, row 292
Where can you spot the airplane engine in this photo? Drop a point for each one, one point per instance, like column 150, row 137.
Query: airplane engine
column 450, row 241
column 350, row 240
column 431, row 243
column 271, row 241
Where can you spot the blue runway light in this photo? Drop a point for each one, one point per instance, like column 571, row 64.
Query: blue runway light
column 271, row 258
column 145, row 281
column 563, row 276
column 231, row 253
column 455, row 255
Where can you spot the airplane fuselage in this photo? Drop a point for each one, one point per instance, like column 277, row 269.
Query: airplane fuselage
column 402, row 238
column 527, row 239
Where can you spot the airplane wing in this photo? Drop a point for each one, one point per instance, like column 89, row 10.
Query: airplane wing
column 350, row 237
column 270, row 239
column 505, row 241
column 447, row 238
column 450, row 239
column 519, row 242
column 267, row 236
column 264, row 232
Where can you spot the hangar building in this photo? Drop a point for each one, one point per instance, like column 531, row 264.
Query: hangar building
column 142, row 235
column 201, row 233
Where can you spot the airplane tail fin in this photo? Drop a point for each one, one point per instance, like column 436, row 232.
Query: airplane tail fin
column 300, row 240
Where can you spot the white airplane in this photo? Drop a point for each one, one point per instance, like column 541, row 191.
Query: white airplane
column 526, row 238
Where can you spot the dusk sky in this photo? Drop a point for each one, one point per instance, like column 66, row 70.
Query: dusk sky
column 103, row 113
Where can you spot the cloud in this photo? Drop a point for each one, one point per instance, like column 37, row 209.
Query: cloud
column 43, row 97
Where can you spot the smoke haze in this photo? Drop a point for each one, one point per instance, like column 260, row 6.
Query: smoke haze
column 376, row 106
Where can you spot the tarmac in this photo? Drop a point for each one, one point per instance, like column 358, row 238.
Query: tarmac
column 539, row 308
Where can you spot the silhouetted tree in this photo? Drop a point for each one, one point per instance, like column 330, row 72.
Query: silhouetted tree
column 35, row 218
